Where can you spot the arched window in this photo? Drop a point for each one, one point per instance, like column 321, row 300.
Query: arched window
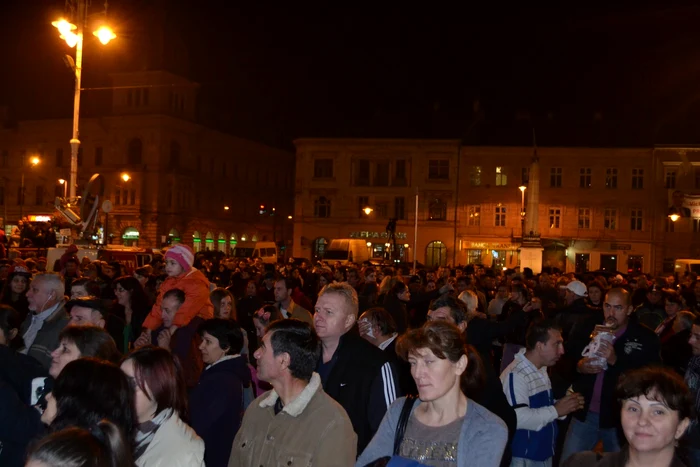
column 222, row 242
column 435, row 254
column 196, row 242
column 244, row 237
column 255, row 238
column 130, row 237
column 209, row 241
column 322, row 207
column 174, row 154
column 437, row 210
column 320, row 245
column 233, row 240
column 134, row 154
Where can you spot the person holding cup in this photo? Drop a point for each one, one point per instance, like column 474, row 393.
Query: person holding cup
column 633, row 346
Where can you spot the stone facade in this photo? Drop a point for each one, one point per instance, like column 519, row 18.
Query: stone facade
column 599, row 208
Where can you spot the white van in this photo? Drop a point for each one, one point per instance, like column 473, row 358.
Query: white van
column 265, row 250
column 347, row 250
column 686, row 265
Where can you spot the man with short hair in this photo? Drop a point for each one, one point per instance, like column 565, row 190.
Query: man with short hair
column 90, row 311
column 283, row 296
column 634, row 346
column 46, row 319
column 296, row 422
column 528, row 389
column 354, row 372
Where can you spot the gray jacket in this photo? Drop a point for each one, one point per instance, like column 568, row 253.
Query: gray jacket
column 481, row 441
column 47, row 338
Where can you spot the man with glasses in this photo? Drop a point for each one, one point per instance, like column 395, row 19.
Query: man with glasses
column 634, row 346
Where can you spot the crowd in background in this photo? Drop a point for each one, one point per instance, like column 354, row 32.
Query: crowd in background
column 207, row 360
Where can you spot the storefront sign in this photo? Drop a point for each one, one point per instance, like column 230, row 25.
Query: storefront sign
column 489, row 246
column 620, row 246
column 33, row 218
column 399, row 235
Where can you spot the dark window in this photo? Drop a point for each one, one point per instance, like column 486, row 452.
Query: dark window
column 585, row 178
column 362, row 175
column 137, row 98
column 59, row 157
column 500, row 219
column 611, row 178
column 323, row 168
column 437, row 210
column 555, row 177
column 39, row 196
column 525, row 175
column 637, row 179
column 322, row 207
column 670, row 178
column 133, row 196
column 134, row 154
column 145, row 96
column 98, row 156
column 174, row 155
column 439, row 169
column 400, row 208
column 382, row 176
column 400, row 176
column 636, row 220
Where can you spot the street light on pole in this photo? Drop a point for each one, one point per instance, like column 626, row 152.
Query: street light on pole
column 34, row 161
column 522, row 189
column 73, row 35
column 65, row 186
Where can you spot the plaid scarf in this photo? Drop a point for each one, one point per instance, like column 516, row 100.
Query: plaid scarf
column 147, row 430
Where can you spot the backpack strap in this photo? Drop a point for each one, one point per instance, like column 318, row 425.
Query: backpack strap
column 403, row 422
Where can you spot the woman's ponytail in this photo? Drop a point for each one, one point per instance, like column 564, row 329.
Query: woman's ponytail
column 117, row 448
column 474, row 377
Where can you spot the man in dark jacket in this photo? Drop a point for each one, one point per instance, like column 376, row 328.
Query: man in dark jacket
column 355, row 373
column 634, row 346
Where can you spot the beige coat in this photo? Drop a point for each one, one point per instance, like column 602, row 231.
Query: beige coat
column 312, row 430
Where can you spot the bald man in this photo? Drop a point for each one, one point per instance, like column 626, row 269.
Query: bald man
column 634, row 346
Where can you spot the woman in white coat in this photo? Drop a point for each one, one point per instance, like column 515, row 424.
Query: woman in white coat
column 162, row 438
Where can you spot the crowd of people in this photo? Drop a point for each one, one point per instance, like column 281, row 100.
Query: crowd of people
column 199, row 360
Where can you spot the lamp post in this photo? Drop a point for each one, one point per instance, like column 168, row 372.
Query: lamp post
column 368, row 210
column 75, row 39
column 522, row 189
column 34, row 161
column 65, row 186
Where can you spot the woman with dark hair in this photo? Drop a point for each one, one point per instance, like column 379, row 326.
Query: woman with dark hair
column 443, row 424
column 216, row 403
column 102, row 446
column 264, row 316
column 132, row 298
column 596, row 294
column 395, row 303
column 160, row 400
column 14, row 292
column 224, row 305
column 87, row 391
column 656, row 407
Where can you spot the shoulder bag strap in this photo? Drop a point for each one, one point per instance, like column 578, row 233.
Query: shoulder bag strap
column 403, row 422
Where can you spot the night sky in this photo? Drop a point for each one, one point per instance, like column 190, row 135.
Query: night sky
column 626, row 74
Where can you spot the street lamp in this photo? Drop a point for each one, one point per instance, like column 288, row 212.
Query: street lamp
column 34, row 161
column 65, row 186
column 289, row 217
column 126, row 177
column 522, row 189
column 226, row 208
column 73, row 35
column 674, row 217
column 368, row 210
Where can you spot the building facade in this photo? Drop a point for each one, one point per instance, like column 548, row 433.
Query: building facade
column 600, row 208
column 185, row 182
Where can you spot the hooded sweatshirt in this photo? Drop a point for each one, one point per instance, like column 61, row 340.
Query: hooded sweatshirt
column 216, row 407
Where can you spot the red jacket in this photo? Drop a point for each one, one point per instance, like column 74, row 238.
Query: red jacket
column 197, row 303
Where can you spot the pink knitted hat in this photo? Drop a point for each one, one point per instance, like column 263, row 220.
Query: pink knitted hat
column 182, row 254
